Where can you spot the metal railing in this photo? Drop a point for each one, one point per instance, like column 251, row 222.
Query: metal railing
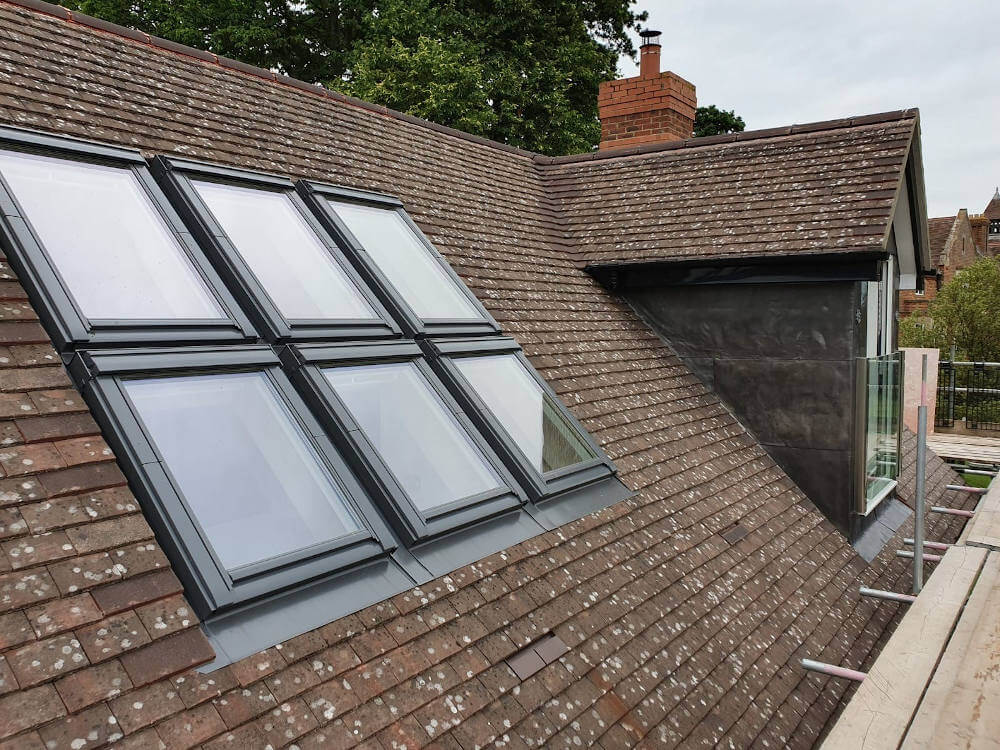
column 969, row 392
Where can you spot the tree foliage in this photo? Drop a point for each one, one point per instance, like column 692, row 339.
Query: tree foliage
column 520, row 72
column 965, row 314
column 711, row 120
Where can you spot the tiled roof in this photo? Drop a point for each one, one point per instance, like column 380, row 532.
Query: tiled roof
column 828, row 188
column 939, row 229
column 675, row 635
column 992, row 210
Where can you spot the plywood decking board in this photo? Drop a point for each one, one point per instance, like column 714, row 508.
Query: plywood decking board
column 881, row 709
column 961, row 708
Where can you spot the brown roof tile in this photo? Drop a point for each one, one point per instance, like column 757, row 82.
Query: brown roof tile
column 939, row 229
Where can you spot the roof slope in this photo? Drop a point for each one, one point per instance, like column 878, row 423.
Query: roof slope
column 939, row 230
column 825, row 188
column 676, row 636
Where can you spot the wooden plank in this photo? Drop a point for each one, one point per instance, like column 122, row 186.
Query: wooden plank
column 961, row 707
column 984, row 528
column 882, row 707
column 966, row 447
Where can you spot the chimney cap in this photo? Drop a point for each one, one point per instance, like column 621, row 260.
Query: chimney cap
column 649, row 36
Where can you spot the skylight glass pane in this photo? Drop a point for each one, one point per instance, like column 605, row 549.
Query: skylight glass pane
column 531, row 417
column 418, row 437
column 107, row 240
column 406, row 262
column 292, row 265
column 244, row 466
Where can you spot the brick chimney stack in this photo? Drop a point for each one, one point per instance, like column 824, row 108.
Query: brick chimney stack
column 651, row 107
column 980, row 227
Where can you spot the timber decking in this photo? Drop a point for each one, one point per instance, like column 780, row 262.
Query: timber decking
column 965, row 447
column 937, row 682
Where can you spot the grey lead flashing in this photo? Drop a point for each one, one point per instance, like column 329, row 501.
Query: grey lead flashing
column 317, row 195
column 442, row 353
column 175, row 177
column 66, row 323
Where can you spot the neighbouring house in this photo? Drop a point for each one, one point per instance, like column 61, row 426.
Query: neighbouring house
column 992, row 216
column 953, row 246
column 326, row 426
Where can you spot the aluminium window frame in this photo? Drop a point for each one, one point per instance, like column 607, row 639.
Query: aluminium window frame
column 542, row 487
column 317, row 195
column 209, row 586
column 307, row 362
column 176, row 177
column 50, row 295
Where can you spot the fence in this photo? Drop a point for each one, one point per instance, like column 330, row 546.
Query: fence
column 969, row 392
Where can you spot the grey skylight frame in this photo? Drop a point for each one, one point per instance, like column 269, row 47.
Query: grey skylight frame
column 175, row 177
column 66, row 323
column 209, row 586
column 442, row 354
column 318, row 194
column 308, row 362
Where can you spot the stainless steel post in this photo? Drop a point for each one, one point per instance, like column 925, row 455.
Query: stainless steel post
column 918, row 521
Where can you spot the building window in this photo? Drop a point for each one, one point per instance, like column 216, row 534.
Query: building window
column 109, row 256
column 259, row 353
column 412, row 278
column 282, row 265
column 994, row 226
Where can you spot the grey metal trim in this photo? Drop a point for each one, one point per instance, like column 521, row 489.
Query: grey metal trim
column 210, row 587
column 409, row 522
column 175, row 177
column 248, row 629
column 66, row 323
column 441, row 355
column 316, row 195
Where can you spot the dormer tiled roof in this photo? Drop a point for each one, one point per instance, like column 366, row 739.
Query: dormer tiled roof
column 677, row 636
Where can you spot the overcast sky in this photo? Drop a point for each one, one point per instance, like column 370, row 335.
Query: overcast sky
column 779, row 62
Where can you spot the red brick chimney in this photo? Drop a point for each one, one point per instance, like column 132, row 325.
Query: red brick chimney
column 649, row 108
column 980, row 227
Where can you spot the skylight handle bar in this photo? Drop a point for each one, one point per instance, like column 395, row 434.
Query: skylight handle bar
column 833, row 670
column 918, row 521
column 963, row 488
column 890, row 595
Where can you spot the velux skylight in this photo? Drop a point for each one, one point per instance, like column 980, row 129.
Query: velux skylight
column 312, row 408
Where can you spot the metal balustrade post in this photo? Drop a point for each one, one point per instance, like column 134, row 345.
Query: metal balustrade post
column 918, row 521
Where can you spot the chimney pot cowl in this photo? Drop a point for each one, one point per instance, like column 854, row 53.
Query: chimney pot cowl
column 649, row 37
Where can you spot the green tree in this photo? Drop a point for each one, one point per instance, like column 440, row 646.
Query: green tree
column 523, row 73
column 965, row 314
column 310, row 39
column 711, row 120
